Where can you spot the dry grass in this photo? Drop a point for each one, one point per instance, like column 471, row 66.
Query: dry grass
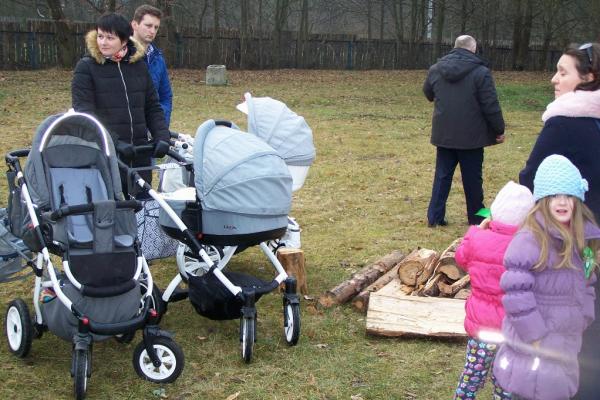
column 366, row 195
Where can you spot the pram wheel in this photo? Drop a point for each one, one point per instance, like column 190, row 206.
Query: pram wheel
column 247, row 337
column 82, row 370
column 170, row 355
column 291, row 323
column 19, row 330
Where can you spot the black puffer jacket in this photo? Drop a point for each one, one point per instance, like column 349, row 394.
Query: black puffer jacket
column 466, row 114
column 121, row 95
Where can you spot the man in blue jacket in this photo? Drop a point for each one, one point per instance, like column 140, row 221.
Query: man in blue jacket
column 466, row 118
column 145, row 24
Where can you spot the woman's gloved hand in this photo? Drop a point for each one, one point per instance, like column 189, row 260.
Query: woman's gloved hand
column 126, row 150
column 161, row 148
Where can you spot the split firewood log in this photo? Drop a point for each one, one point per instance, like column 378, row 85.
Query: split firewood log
column 450, row 289
column 431, row 288
column 452, row 271
column 414, row 264
column 361, row 301
column 346, row 290
column 463, row 294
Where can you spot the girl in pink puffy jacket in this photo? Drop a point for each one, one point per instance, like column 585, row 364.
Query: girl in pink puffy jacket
column 480, row 254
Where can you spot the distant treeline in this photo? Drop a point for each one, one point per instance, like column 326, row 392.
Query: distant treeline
column 33, row 45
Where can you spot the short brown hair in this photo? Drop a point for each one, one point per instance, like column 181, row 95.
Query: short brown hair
column 144, row 9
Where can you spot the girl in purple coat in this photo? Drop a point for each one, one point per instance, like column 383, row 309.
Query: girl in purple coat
column 480, row 254
column 548, row 285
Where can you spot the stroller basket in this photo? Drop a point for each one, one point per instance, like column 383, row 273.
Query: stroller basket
column 213, row 300
column 12, row 251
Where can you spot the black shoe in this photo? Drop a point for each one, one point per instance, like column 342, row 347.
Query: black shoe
column 441, row 223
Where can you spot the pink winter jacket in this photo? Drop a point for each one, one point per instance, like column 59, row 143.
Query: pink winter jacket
column 481, row 254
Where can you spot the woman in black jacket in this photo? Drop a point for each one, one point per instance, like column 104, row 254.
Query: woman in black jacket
column 112, row 83
column 572, row 129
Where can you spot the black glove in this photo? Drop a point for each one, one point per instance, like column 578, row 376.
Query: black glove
column 125, row 150
column 161, row 148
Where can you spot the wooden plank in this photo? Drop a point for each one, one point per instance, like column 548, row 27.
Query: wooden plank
column 394, row 314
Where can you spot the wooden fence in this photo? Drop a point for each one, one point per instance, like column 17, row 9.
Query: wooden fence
column 32, row 45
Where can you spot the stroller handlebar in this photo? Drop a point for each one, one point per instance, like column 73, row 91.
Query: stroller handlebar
column 12, row 157
column 65, row 211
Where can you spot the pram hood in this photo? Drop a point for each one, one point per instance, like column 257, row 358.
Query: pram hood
column 235, row 172
column 284, row 130
column 71, row 128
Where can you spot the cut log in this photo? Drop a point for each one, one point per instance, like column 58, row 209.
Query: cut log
column 292, row 261
column 360, row 280
column 414, row 264
column 450, row 289
column 463, row 294
column 453, row 272
column 361, row 301
column 431, row 288
column 392, row 313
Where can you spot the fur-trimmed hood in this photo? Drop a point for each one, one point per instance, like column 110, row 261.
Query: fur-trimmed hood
column 579, row 103
column 133, row 46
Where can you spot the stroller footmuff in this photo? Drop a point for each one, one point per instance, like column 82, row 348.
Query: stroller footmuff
column 76, row 211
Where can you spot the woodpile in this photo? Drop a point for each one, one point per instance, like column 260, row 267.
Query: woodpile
column 424, row 272
column 420, row 294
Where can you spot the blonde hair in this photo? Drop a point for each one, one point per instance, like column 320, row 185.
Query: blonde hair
column 573, row 240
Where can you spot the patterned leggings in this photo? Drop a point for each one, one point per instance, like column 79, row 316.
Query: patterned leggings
column 479, row 360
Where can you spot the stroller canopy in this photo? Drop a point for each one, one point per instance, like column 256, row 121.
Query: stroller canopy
column 284, row 130
column 75, row 140
column 236, row 172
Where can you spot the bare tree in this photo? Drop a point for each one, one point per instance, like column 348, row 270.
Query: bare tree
column 281, row 14
column 439, row 16
column 65, row 39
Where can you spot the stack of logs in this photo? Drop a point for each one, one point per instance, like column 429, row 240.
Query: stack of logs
column 423, row 272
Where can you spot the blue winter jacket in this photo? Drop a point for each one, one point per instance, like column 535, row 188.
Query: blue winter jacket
column 160, row 76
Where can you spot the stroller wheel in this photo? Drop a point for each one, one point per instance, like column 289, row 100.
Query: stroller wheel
column 291, row 323
column 247, row 337
column 19, row 331
column 81, row 361
column 170, row 355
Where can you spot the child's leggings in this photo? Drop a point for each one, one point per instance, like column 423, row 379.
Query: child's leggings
column 479, row 360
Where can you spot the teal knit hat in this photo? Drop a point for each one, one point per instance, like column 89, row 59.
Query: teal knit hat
column 557, row 175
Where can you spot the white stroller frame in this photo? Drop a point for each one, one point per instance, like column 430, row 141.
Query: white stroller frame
column 157, row 358
column 211, row 259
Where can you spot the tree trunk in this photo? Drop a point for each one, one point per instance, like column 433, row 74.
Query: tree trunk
column 523, row 50
column 65, row 41
column 464, row 16
column 302, row 38
column 243, row 32
column 201, row 16
column 168, row 23
column 261, row 63
column 281, row 10
column 398, row 17
column 346, row 290
column 517, row 33
column 214, row 45
column 439, row 19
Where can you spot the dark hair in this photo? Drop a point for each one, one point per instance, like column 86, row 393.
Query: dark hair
column 587, row 60
column 116, row 24
column 144, row 9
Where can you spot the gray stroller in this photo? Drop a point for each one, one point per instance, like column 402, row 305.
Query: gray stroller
column 235, row 193
column 68, row 202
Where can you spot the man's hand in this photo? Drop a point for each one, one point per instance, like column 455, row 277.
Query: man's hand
column 500, row 139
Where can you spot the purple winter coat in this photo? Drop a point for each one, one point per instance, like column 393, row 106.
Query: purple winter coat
column 553, row 306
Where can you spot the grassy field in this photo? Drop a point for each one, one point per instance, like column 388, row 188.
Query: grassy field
column 366, row 195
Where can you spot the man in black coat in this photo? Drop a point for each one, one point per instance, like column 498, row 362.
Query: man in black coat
column 466, row 118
